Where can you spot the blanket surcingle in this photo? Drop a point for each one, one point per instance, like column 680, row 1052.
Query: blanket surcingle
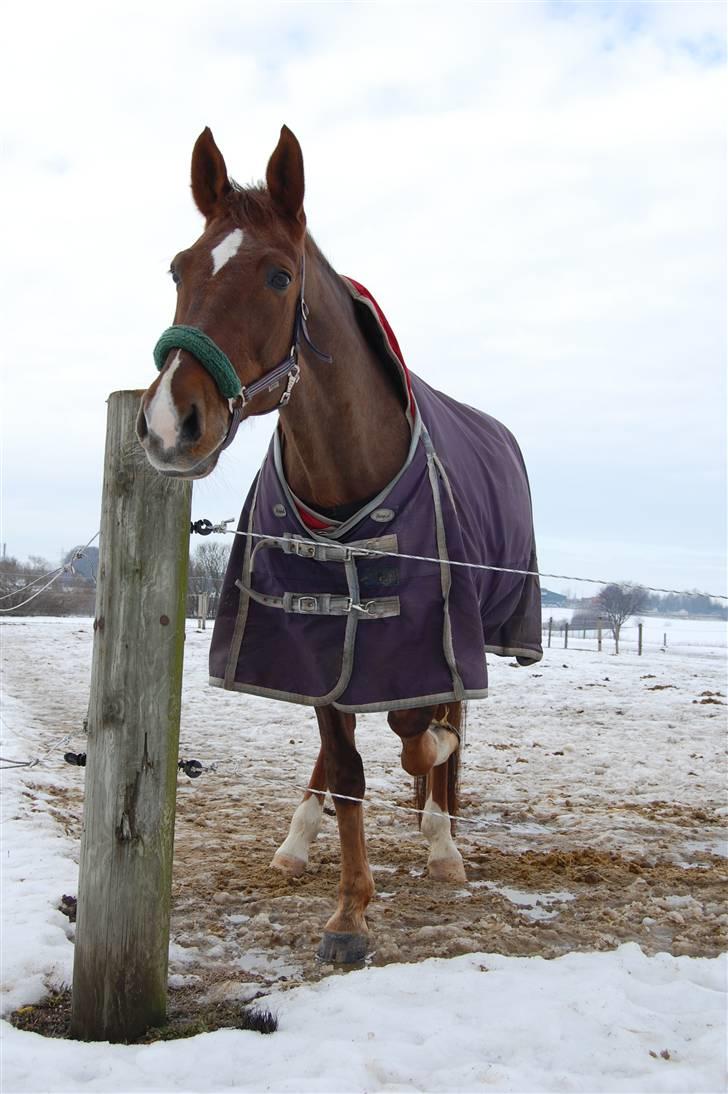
column 304, row 618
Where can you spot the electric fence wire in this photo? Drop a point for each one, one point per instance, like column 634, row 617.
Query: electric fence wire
column 367, row 552
column 67, row 568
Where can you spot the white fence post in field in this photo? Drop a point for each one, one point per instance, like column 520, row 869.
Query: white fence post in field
column 124, row 896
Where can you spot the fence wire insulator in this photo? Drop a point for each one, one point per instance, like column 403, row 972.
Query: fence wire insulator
column 192, row 768
column 77, row 759
column 205, row 527
column 202, row 527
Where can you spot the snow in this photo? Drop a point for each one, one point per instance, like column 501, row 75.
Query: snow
column 568, row 759
column 585, row 1022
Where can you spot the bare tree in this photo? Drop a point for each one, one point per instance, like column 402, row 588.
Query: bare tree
column 617, row 603
column 208, row 563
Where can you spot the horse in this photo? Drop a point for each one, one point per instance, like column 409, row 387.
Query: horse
column 375, row 489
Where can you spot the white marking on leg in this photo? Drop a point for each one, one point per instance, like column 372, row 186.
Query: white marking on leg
column 161, row 414
column 305, row 826
column 436, row 830
column 226, row 249
column 447, row 742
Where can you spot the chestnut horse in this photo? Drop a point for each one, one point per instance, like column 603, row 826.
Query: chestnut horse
column 344, row 435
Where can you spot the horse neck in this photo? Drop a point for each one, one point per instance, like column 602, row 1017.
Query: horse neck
column 344, row 432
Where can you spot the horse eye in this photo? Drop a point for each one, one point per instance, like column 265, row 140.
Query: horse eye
column 174, row 275
column 279, row 279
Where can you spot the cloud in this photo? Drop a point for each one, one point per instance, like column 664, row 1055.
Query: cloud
column 535, row 193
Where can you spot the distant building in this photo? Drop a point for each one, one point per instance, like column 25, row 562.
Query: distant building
column 552, row 600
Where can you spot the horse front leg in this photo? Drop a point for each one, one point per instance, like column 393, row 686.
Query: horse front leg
column 346, row 935
column 430, row 738
column 291, row 858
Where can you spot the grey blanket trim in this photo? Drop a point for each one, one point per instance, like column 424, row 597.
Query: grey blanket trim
column 371, row 708
column 412, row 704
column 515, row 651
column 433, row 464
column 342, row 529
column 241, row 619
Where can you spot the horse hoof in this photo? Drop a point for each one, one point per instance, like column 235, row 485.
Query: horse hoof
column 343, row 947
column 288, row 865
column 449, row 870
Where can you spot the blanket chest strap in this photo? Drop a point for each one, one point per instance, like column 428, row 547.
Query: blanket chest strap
column 383, row 607
column 334, row 552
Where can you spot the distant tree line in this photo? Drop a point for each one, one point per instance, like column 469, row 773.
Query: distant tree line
column 71, row 593
column 686, row 604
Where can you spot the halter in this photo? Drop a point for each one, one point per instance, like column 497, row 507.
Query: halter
column 220, row 367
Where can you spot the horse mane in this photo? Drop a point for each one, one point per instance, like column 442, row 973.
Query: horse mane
column 251, row 205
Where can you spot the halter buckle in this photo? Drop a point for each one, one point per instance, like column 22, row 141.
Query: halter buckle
column 293, row 377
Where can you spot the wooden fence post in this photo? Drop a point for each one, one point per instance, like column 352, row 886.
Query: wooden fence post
column 551, row 623
column 124, row 895
column 639, row 639
column 599, row 635
column 566, row 636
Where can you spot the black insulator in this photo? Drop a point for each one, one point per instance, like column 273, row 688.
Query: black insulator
column 191, row 768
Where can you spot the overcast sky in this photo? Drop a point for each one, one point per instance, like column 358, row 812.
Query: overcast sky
column 533, row 191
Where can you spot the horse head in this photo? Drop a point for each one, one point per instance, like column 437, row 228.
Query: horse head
column 240, row 311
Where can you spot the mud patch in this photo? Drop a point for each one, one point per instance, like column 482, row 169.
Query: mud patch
column 52, row 1018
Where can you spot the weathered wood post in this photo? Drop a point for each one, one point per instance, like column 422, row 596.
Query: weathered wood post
column 566, row 636
column 599, row 635
column 639, row 639
column 122, row 932
column 551, row 624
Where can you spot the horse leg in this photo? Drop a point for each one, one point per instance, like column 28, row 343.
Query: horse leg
column 427, row 740
column 291, row 858
column 346, row 935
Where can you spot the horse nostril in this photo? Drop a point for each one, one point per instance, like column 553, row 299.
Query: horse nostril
column 191, row 430
column 142, row 428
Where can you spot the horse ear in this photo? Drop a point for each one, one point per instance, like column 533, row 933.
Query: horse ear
column 210, row 182
column 285, row 178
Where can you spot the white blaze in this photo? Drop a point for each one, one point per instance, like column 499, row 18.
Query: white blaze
column 161, row 414
column 226, row 249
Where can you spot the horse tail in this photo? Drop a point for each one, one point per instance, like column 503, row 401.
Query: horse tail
column 456, row 715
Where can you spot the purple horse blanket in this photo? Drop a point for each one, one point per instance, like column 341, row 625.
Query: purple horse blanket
column 320, row 612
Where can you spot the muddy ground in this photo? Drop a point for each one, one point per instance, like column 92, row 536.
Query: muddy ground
column 239, row 927
column 598, row 806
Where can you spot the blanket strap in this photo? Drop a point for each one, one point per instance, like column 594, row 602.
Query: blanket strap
column 383, row 607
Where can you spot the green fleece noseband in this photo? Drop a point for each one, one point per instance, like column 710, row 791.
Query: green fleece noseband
column 210, row 356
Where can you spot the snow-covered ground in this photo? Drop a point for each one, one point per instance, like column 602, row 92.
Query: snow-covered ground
column 595, row 789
